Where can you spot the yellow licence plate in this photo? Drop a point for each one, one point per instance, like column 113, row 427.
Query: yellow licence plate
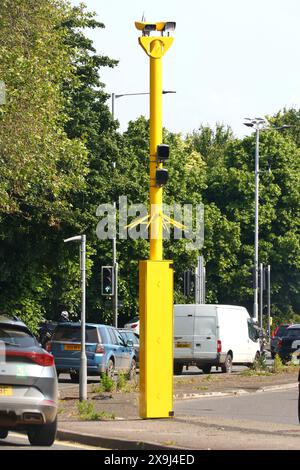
column 5, row 391
column 72, row 347
column 183, row 345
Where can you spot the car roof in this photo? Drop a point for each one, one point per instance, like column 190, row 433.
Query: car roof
column 11, row 320
column 78, row 324
column 127, row 330
column 296, row 326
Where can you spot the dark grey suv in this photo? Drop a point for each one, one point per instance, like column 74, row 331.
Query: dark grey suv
column 28, row 385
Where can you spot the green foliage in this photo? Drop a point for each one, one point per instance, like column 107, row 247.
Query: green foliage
column 87, row 412
column 260, row 364
column 57, row 144
column 121, row 381
column 107, row 383
column 277, row 365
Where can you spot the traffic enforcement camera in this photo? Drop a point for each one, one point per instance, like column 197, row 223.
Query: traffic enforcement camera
column 162, row 175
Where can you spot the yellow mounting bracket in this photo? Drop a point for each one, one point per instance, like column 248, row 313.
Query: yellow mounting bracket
column 165, row 218
column 156, row 46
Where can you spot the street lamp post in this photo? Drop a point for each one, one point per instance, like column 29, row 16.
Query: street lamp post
column 114, row 96
column 257, row 124
column 83, row 358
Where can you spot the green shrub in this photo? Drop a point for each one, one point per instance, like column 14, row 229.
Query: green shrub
column 277, row 365
column 87, row 412
column 122, row 380
column 260, row 364
column 107, row 383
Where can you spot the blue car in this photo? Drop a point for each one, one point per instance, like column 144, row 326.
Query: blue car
column 106, row 350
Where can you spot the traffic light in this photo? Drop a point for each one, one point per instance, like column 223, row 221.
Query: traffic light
column 107, row 287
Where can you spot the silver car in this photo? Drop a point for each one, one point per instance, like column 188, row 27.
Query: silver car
column 28, row 385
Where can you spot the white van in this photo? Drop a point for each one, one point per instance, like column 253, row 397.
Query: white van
column 213, row 335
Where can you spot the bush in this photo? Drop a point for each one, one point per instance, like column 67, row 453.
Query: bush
column 277, row 365
column 107, row 383
column 87, row 413
column 122, row 380
column 260, row 364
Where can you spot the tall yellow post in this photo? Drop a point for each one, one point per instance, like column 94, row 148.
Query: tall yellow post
column 156, row 193
column 156, row 275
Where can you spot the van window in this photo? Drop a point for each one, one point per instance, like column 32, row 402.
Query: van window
column 205, row 325
column 252, row 331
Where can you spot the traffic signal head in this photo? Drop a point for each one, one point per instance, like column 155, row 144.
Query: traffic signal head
column 107, row 280
column 162, row 153
column 161, row 177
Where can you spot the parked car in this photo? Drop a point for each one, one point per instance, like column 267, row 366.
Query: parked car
column 130, row 335
column 133, row 325
column 106, row 350
column 289, row 344
column 214, row 335
column 28, row 385
column 278, row 333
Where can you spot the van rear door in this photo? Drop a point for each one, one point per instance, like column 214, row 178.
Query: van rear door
column 183, row 331
column 205, row 341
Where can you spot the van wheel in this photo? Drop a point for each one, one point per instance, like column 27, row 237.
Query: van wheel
column 206, row 369
column 178, row 368
column 227, row 367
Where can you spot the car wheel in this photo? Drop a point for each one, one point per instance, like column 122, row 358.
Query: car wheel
column 132, row 372
column 43, row 435
column 74, row 377
column 178, row 369
column 3, row 433
column 110, row 370
column 227, row 367
column 206, row 369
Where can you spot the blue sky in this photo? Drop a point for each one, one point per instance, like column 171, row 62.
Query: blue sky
column 230, row 59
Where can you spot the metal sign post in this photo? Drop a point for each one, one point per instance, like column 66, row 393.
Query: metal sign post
column 83, row 358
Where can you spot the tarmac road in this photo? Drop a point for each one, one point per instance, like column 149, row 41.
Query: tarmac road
column 65, row 381
column 270, row 407
column 16, row 441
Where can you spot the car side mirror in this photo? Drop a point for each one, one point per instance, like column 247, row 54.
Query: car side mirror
column 129, row 343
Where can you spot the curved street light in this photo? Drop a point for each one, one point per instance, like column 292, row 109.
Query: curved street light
column 258, row 124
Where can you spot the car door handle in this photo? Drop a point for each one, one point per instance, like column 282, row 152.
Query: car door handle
column 208, row 337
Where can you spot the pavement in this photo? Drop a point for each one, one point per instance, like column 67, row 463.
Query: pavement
column 129, row 432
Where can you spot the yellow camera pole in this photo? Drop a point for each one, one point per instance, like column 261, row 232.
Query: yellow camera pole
column 156, row 275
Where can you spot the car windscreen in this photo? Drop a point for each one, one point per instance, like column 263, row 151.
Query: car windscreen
column 13, row 336
column 293, row 333
column 73, row 334
column 282, row 331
